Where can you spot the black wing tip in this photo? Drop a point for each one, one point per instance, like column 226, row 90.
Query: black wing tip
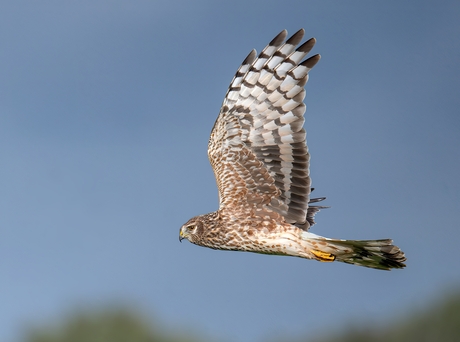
column 296, row 38
column 307, row 46
column 311, row 62
column 250, row 57
column 279, row 39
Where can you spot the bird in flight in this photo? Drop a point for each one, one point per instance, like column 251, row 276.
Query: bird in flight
column 260, row 159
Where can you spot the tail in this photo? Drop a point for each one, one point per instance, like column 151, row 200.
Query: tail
column 379, row 254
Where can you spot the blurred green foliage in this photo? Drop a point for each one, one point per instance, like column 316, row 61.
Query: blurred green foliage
column 110, row 325
column 438, row 322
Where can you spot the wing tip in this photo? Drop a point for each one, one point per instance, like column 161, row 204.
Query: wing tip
column 307, row 46
column 311, row 62
column 296, row 38
column 279, row 39
column 250, row 58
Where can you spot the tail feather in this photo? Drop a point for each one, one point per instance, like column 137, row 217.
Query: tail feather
column 379, row 254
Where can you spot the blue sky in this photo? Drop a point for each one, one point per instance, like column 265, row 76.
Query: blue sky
column 105, row 112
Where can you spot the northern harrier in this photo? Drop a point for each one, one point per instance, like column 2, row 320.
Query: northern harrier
column 258, row 152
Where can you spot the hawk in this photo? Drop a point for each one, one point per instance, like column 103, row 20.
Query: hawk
column 260, row 159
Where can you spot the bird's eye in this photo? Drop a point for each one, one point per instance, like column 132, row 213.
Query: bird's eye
column 190, row 228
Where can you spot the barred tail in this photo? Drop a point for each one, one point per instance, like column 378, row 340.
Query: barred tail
column 379, row 254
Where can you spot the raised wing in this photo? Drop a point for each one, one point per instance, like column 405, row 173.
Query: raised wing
column 258, row 146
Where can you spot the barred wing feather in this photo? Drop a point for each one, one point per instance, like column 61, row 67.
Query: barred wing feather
column 258, row 146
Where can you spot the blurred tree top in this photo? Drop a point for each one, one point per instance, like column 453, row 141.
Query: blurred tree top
column 111, row 325
column 439, row 322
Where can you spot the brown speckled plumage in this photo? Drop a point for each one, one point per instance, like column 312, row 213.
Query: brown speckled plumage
column 260, row 159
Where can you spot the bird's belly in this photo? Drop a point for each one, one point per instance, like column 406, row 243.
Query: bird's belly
column 276, row 243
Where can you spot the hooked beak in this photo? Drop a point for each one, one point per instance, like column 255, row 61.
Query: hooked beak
column 181, row 235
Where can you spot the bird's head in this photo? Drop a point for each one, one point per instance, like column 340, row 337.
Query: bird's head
column 192, row 230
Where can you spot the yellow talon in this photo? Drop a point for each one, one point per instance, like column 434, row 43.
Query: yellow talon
column 322, row 256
